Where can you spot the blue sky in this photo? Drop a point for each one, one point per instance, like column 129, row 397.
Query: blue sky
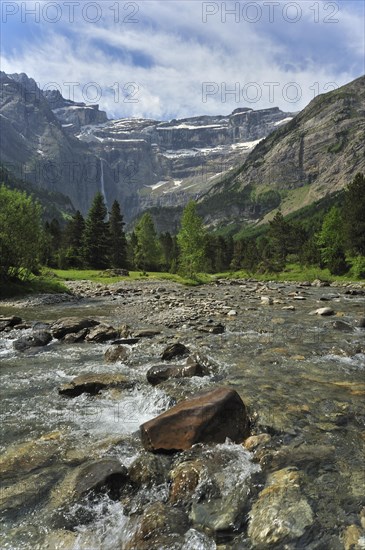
column 176, row 58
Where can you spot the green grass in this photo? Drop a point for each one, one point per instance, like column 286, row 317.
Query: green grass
column 52, row 282
column 97, row 276
column 35, row 285
column 292, row 272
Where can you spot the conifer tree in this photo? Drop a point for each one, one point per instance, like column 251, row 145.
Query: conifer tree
column 331, row 242
column 96, row 235
column 118, row 241
column 353, row 215
column 73, row 240
column 148, row 252
column 169, row 249
column 191, row 240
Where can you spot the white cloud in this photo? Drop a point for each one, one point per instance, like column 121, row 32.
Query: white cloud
column 184, row 54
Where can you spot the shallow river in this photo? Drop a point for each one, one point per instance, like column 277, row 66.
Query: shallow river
column 302, row 378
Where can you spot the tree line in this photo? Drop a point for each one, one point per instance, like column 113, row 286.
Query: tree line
column 336, row 240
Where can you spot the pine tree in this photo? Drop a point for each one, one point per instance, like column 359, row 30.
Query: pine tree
column 353, row 214
column 73, row 240
column 331, row 242
column 118, row 241
column 191, row 240
column 132, row 249
column 53, row 238
column 169, row 249
column 279, row 235
column 148, row 252
column 96, row 235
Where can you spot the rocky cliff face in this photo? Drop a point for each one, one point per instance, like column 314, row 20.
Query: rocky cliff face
column 72, row 147
column 317, row 153
column 36, row 148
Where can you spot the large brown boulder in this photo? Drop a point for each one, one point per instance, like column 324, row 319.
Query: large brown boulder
column 209, row 417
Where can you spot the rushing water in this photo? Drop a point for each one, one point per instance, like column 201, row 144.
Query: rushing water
column 302, row 379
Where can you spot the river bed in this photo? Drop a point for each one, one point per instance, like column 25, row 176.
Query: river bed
column 301, row 375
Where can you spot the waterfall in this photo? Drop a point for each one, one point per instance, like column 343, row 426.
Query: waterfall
column 102, row 188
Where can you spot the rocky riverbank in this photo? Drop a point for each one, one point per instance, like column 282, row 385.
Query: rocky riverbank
column 237, row 417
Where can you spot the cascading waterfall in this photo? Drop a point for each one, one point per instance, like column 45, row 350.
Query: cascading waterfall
column 102, row 188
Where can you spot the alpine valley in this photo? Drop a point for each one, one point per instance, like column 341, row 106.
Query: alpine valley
column 238, row 166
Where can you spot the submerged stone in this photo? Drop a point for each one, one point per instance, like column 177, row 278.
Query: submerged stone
column 281, row 513
column 102, row 333
column 116, row 353
column 93, row 383
column 100, row 476
column 30, row 455
column 160, row 373
column 11, row 321
column 160, row 527
column 70, row 325
column 38, row 338
column 174, row 350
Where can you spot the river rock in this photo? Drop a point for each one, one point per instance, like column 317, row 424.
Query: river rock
column 185, row 478
column 212, row 328
column 202, row 360
column 160, row 527
column 61, row 539
column 281, row 513
column 93, row 383
column 38, row 338
column 174, row 350
column 342, row 326
column 146, row 333
column 70, row 325
column 128, row 341
column 11, row 321
column 353, row 538
column 221, row 498
column 324, row 311
column 361, row 322
column 255, row 441
column 305, row 457
column 319, row 283
column 209, row 417
column 75, row 337
column 99, row 476
column 160, row 373
column 232, row 313
column 267, row 300
column 116, row 353
column 149, row 469
column 29, row 491
column 30, row 455
column 102, row 333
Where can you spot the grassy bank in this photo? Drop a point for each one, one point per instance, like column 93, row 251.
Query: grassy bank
column 292, row 272
column 97, row 276
column 52, row 281
column 35, row 285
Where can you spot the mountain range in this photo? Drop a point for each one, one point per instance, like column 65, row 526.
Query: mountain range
column 240, row 167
